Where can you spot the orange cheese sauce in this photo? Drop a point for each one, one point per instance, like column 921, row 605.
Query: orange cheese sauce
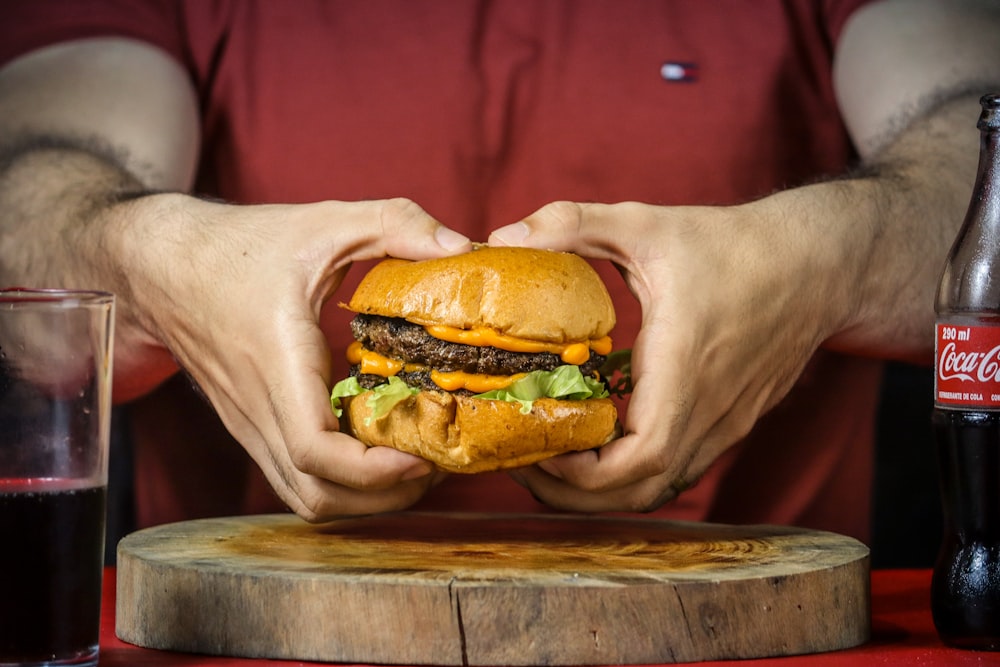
column 371, row 362
column 477, row 383
column 570, row 353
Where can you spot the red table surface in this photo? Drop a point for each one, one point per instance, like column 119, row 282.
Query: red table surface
column 902, row 634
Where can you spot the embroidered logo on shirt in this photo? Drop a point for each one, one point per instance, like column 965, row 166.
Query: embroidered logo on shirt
column 679, row 72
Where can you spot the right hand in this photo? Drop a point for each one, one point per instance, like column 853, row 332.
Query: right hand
column 235, row 292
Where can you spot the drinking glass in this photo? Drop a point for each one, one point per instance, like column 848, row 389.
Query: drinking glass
column 55, row 410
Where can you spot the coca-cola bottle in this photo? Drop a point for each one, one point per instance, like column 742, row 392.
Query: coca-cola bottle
column 965, row 589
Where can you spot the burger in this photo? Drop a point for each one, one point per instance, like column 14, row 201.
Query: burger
column 481, row 361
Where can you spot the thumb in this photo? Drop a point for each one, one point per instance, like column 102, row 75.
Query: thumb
column 555, row 226
column 411, row 233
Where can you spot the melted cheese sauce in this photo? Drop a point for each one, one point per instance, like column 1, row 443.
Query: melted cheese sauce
column 570, row 353
column 477, row 383
column 371, row 362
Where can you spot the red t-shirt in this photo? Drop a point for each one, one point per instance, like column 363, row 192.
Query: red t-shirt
column 481, row 113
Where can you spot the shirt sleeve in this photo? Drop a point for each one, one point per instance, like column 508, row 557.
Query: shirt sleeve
column 29, row 25
column 836, row 13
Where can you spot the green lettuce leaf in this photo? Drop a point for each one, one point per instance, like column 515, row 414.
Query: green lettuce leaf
column 346, row 387
column 565, row 382
column 385, row 397
column 381, row 399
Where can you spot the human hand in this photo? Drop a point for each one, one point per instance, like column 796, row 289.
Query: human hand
column 235, row 293
column 732, row 309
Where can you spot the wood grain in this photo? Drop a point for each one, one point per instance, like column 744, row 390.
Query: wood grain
column 467, row 589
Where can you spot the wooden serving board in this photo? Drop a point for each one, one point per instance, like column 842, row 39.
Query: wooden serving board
column 473, row 589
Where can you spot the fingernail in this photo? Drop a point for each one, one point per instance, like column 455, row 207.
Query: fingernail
column 416, row 472
column 511, row 234
column 449, row 239
column 551, row 468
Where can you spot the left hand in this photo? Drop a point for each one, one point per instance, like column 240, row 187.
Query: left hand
column 234, row 294
column 733, row 307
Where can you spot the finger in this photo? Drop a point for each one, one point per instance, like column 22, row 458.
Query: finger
column 317, row 499
column 405, row 230
column 657, row 421
column 342, row 459
column 319, row 473
column 301, row 410
column 289, row 429
column 597, row 231
column 655, row 458
column 643, row 496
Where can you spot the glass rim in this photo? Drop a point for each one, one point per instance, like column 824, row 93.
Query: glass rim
column 56, row 296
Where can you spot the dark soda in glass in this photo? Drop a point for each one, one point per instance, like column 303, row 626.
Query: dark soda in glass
column 51, row 562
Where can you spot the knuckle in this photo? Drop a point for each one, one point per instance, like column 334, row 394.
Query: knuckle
column 565, row 213
column 648, row 500
column 309, row 513
column 397, row 211
column 651, row 494
column 651, row 504
column 302, row 458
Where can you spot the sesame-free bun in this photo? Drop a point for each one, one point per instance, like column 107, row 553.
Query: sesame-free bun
column 469, row 435
column 537, row 294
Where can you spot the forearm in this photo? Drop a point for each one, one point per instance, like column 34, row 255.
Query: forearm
column 86, row 129
column 50, row 198
column 922, row 184
column 64, row 222
column 870, row 246
column 908, row 76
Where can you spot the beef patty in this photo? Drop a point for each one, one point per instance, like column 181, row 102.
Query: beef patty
column 396, row 338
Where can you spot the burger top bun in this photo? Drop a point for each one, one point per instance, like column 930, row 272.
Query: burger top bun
column 537, row 294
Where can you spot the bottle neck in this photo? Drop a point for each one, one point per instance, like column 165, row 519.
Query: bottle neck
column 987, row 188
column 970, row 283
column 984, row 206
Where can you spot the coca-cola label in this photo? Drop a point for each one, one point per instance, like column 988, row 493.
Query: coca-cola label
column 967, row 359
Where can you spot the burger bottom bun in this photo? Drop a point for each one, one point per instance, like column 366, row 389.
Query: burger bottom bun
column 469, row 435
